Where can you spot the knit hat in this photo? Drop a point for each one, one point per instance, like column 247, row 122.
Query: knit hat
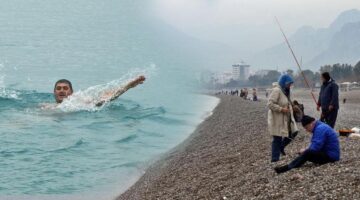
column 307, row 120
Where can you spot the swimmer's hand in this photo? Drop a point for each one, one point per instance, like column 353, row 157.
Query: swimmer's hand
column 137, row 81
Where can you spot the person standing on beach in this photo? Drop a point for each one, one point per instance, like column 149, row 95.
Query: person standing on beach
column 281, row 122
column 328, row 100
column 245, row 93
column 324, row 147
column 254, row 95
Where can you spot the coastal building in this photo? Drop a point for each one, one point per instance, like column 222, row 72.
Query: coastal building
column 236, row 72
column 241, row 71
column 347, row 86
column 213, row 78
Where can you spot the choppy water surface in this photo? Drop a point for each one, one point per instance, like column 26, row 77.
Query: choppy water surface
column 67, row 150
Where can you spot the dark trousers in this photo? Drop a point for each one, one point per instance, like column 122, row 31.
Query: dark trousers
column 315, row 157
column 329, row 117
column 278, row 145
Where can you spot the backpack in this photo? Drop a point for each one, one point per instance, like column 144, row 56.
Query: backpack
column 298, row 111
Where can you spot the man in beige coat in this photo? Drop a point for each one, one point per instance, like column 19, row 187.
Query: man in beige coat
column 281, row 122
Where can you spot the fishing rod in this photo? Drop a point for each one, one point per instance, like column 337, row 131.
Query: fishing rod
column 296, row 60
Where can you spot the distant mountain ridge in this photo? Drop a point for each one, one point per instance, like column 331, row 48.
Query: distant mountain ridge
column 339, row 43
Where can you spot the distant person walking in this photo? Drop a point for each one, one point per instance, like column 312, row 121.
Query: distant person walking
column 328, row 100
column 281, row 122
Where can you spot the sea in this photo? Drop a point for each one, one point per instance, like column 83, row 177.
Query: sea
column 80, row 151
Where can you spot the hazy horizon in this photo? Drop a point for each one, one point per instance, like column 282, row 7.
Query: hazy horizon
column 248, row 24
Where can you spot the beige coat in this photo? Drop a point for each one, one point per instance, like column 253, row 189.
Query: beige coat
column 277, row 120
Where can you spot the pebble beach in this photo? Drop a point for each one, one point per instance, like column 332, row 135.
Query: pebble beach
column 228, row 157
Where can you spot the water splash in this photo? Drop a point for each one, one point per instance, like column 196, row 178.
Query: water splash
column 9, row 94
column 86, row 100
column 4, row 92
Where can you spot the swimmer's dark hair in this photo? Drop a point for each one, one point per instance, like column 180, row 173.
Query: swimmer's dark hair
column 63, row 81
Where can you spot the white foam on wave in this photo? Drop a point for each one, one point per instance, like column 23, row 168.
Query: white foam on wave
column 86, row 100
column 6, row 93
column 9, row 94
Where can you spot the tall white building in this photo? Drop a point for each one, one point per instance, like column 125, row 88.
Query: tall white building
column 236, row 72
column 241, row 71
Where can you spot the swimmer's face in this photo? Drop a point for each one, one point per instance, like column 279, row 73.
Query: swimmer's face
column 62, row 91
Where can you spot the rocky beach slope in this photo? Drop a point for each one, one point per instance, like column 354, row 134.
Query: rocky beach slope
column 228, row 157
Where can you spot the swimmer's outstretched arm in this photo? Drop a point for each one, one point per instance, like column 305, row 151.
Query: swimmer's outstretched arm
column 116, row 94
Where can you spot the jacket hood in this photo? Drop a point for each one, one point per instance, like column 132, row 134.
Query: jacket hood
column 284, row 80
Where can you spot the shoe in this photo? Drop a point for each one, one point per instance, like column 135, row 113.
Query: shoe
column 281, row 169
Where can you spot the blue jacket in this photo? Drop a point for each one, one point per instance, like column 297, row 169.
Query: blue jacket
column 329, row 95
column 325, row 140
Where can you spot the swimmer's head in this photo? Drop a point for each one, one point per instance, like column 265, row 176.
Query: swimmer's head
column 62, row 90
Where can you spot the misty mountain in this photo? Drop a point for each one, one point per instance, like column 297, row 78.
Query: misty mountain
column 337, row 43
column 345, row 17
column 343, row 48
column 161, row 43
column 167, row 40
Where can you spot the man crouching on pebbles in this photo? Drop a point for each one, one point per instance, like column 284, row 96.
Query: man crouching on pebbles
column 324, row 147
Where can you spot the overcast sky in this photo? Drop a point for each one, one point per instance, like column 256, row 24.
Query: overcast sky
column 249, row 23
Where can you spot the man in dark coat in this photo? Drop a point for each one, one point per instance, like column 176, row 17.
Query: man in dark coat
column 328, row 100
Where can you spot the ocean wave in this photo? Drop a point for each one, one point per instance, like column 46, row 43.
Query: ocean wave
column 128, row 164
column 9, row 94
column 143, row 113
column 149, row 133
column 77, row 144
column 123, row 113
column 127, row 139
column 168, row 120
column 24, row 96
column 14, row 152
column 22, row 100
